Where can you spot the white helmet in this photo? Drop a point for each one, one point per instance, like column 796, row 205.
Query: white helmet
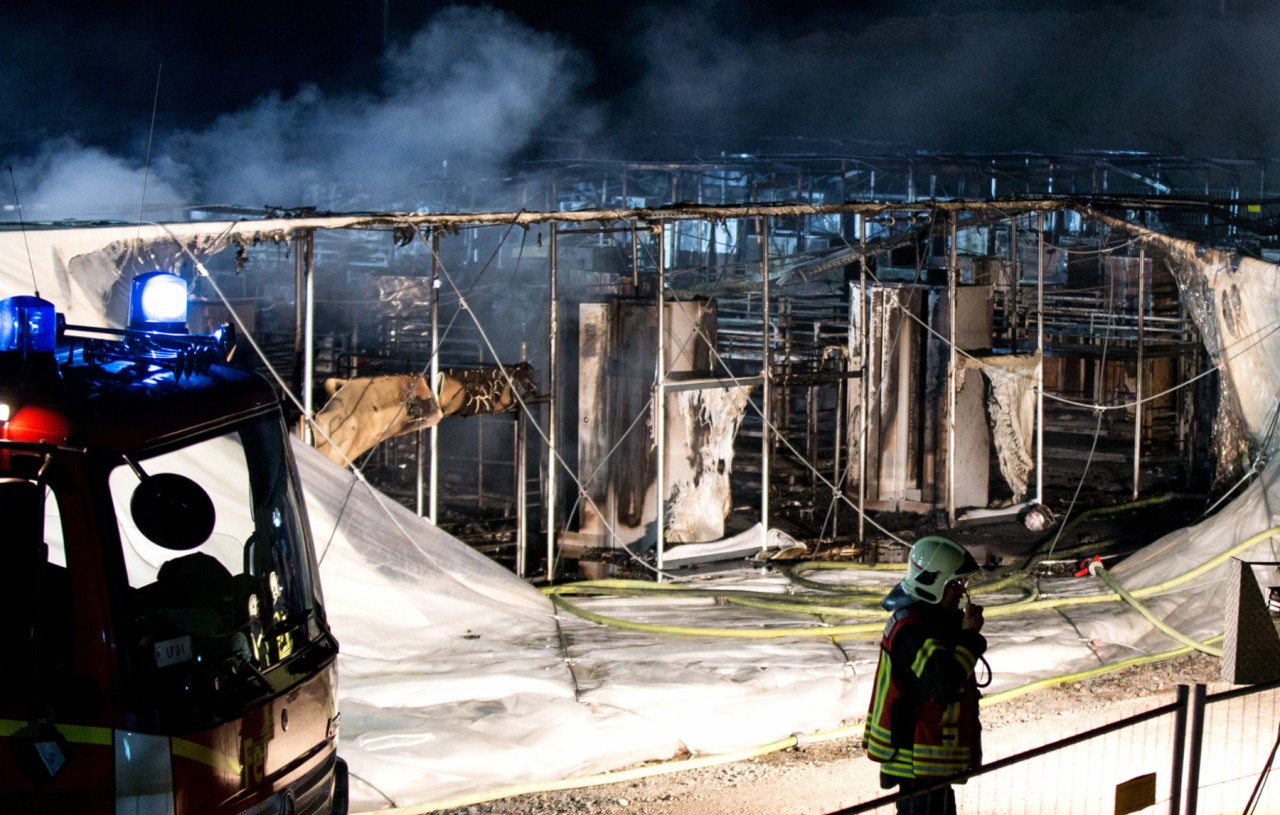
column 933, row 563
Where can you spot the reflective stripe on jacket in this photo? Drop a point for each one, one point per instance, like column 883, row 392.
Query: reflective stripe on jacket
column 910, row 732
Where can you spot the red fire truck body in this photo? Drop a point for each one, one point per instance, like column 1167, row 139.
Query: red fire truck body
column 166, row 645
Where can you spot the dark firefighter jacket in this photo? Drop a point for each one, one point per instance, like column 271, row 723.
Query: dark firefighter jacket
column 923, row 719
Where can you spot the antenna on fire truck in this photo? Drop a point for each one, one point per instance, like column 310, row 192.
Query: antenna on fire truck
column 23, row 226
column 146, row 171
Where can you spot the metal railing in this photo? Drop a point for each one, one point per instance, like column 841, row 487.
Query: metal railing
column 1203, row 753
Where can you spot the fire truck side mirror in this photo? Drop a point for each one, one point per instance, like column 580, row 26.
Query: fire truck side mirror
column 172, row 511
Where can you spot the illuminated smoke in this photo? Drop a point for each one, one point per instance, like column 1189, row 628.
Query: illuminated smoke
column 473, row 87
column 477, row 88
column 68, row 180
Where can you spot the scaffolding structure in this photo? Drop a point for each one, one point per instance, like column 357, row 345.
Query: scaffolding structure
column 796, row 288
column 858, row 403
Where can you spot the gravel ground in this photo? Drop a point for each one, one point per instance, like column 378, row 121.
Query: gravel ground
column 828, row 776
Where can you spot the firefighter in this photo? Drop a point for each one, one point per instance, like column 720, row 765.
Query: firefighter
column 249, row 643
column 923, row 721
column 280, row 617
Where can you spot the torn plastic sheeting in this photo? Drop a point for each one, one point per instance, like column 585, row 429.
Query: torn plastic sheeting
column 750, row 542
column 461, row 713
column 1011, row 408
column 455, row 681
column 715, row 694
column 385, row 545
column 1233, row 302
column 475, row 689
column 411, row 758
column 699, row 498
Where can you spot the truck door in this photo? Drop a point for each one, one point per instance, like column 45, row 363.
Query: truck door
column 57, row 754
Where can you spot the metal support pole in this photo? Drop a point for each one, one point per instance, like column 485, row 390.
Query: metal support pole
column 953, row 381
column 480, row 465
column 1040, row 367
column 299, row 315
column 811, row 416
column 1016, row 272
column 1137, row 408
column 1195, row 742
column 842, row 394
column 865, row 390
column 433, row 503
column 309, row 336
column 518, row 460
column 766, row 391
column 660, row 401
column 635, row 257
column 552, row 413
column 1179, row 749
column 420, row 454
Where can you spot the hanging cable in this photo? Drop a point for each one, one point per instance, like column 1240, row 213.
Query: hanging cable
column 1255, row 797
column 554, row 455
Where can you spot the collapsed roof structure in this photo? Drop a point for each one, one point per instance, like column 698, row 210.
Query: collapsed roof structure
column 811, row 305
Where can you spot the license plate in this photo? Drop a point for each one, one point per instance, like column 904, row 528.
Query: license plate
column 171, row 652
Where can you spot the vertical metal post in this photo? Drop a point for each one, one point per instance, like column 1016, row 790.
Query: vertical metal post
column 299, row 317
column 842, row 394
column 420, row 454
column 953, row 273
column 480, row 463
column 433, row 502
column 783, row 417
column 811, row 414
column 518, row 460
column 1179, row 749
column 635, row 258
column 1016, row 272
column 352, row 369
column 766, row 390
column 309, row 337
column 552, row 413
column 1137, row 408
column 865, row 389
column 660, row 399
column 1040, row 367
column 1195, row 743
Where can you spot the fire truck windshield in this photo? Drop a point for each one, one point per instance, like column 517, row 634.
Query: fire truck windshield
column 218, row 621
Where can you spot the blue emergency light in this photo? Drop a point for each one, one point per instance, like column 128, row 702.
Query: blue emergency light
column 28, row 324
column 158, row 302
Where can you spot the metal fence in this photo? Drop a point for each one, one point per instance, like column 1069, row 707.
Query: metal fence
column 1203, row 754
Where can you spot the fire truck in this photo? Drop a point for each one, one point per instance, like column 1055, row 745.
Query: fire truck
column 165, row 645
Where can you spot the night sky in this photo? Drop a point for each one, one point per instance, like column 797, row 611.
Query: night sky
column 258, row 103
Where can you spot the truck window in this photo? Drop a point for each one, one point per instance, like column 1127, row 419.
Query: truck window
column 217, row 465
column 53, row 530
column 217, row 618
column 36, row 608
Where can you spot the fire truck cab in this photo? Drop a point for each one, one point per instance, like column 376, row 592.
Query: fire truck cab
column 165, row 645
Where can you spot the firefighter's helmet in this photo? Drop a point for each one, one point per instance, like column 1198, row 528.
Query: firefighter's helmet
column 933, row 563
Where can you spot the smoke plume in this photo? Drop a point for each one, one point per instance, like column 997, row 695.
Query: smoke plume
column 477, row 87
column 472, row 87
